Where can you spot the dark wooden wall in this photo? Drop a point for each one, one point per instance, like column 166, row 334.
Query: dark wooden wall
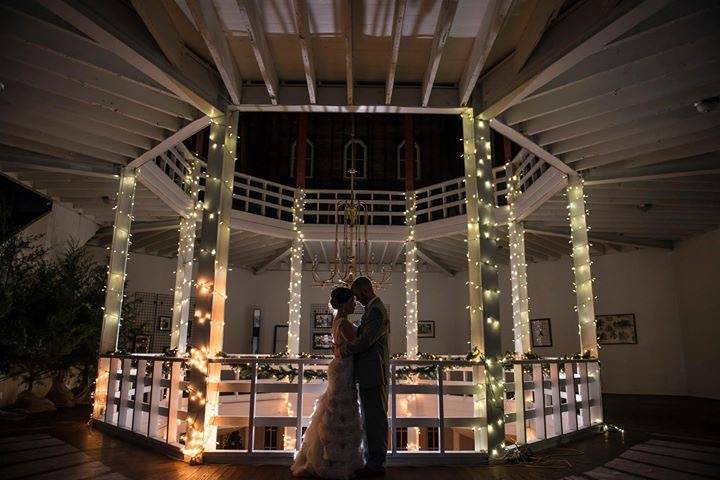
column 265, row 140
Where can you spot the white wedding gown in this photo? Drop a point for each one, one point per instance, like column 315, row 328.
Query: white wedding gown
column 333, row 442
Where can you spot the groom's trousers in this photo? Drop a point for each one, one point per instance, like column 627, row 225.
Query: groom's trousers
column 374, row 408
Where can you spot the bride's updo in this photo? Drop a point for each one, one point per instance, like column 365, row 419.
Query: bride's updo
column 339, row 297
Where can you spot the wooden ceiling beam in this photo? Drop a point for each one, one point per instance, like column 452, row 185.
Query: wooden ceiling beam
column 428, row 258
column 282, row 253
column 210, row 27
column 302, row 26
column 484, row 40
column 258, row 41
column 347, row 16
column 543, row 14
column 442, row 31
column 116, row 28
column 397, row 29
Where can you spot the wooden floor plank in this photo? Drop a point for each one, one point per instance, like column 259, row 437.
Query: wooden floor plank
column 51, row 464
column 649, row 471
column 78, row 472
column 678, row 464
column 34, row 454
column 686, row 446
column 674, row 452
column 28, row 444
column 36, row 436
column 602, row 473
column 112, row 476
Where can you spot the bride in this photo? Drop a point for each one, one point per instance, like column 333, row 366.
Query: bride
column 332, row 445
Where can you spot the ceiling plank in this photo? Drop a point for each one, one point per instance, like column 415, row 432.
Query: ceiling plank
column 613, row 239
column 434, row 263
column 484, row 40
column 543, row 14
column 530, row 146
column 397, row 30
column 265, row 266
column 442, row 30
column 37, row 161
column 210, row 27
column 116, row 28
column 584, row 31
column 302, row 26
column 258, row 41
column 700, row 165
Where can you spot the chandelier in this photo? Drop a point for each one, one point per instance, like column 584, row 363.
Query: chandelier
column 353, row 256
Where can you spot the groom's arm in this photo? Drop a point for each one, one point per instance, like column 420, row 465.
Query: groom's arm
column 374, row 329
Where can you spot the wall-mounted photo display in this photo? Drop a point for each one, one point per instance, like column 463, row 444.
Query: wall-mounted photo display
column 426, row 329
column 323, row 320
column 541, row 332
column 616, row 329
column 322, row 341
column 164, row 323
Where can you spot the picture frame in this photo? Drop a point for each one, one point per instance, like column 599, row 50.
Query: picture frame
column 323, row 320
column 616, row 329
column 541, row 332
column 141, row 344
column 280, row 337
column 164, row 323
column 426, row 329
column 322, row 341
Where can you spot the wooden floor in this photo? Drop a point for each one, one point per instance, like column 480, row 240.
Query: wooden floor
column 665, row 438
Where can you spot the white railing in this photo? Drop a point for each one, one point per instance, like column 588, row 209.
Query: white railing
column 383, row 207
column 431, row 411
column 262, row 197
column 442, row 200
column 175, row 167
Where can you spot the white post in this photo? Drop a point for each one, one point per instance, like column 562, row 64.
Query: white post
column 209, row 317
column 411, row 283
column 184, row 268
column 118, row 261
column 295, row 287
column 484, row 304
column 582, row 272
column 518, row 272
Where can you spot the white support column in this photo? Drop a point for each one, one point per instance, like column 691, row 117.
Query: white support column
column 209, row 316
column 411, row 283
column 184, row 268
column 582, row 272
column 295, row 284
column 483, row 282
column 119, row 250
column 518, row 272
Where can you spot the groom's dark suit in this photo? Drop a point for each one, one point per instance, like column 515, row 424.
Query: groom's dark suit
column 372, row 360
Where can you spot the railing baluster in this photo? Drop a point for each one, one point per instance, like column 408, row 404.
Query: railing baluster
column 519, row 404
column 299, row 408
column 393, row 410
column 139, row 394
column 124, row 393
column 441, row 408
column 570, row 393
column 155, row 397
column 539, row 401
column 595, row 389
column 251, row 407
column 174, row 398
column 112, row 388
column 100, row 400
column 584, row 395
column 556, row 403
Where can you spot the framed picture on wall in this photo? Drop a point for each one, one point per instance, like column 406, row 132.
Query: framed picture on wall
column 616, row 329
column 322, row 341
column 541, row 332
column 323, row 320
column 426, row 329
column 164, row 323
column 280, row 338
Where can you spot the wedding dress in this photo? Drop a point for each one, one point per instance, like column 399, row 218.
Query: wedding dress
column 333, row 442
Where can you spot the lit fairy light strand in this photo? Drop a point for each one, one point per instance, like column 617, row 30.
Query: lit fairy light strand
column 518, row 269
column 411, row 278
column 295, row 285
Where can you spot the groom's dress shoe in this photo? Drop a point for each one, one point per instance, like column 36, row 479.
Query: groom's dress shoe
column 370, row 472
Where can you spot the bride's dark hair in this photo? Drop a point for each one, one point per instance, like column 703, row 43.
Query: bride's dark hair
column 339, row 296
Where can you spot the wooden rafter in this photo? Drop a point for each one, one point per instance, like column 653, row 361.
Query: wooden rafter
column 258, row 41
column 544, row 12
column 208, row 23
column 302, row 25
column 398, row 18
column 442, row 31
column 347, row 15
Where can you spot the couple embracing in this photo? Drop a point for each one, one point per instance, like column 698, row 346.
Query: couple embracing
column 344, row 441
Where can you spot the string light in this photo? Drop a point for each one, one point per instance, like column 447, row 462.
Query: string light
column 295, row 287
column 518, row 268
column 411, row 280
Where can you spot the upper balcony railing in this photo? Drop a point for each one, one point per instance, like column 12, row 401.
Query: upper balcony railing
column 434, row 202
column 265, row 403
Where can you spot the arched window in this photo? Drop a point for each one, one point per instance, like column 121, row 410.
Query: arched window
column 309, row 159
column 401, row 161
column 360, row 159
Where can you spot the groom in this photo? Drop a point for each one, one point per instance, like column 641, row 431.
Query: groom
column 371, row 373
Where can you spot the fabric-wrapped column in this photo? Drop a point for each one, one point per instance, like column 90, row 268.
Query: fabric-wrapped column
column 518, row 272
column 484, row 304
column 209, row 316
